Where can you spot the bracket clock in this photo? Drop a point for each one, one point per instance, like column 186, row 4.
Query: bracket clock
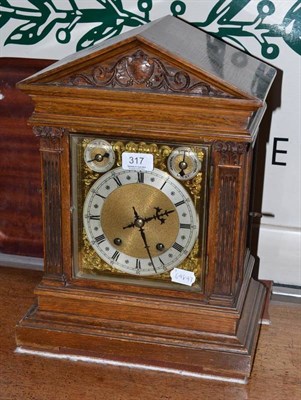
column 146, row 144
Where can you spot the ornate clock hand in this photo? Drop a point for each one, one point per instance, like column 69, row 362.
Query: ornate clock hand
column 131, row 225
column 146, row 246
column 139, row 223
column 159, row 216
column 166, row 213
column 137, row 218
column 136, row 214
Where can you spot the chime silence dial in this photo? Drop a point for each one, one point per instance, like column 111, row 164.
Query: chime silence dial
column 99, row 155
column 141, row 223
column 183, row 163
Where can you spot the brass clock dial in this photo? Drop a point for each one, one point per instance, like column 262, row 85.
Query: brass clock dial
column 99, row 155
column 141, row 223
column 183, row 163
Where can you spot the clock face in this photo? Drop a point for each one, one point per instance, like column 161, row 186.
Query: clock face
column 141, row 223
column 138, row 216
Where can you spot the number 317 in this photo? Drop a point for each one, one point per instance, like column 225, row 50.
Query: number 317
column 136, row 160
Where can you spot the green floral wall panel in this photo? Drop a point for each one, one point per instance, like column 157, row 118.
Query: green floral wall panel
column 232, row 20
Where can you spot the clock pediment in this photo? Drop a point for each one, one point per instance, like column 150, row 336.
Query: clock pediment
column 141, row 69
column 148, row 72
column 157, row 57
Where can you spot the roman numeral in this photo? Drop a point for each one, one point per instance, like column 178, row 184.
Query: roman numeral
column 117, row 180
column 164, row 183
column 94, row 217
column 141, row 177
column 101, row 238
column 179, row 203
column 115, row 256
column 138, row 264
column 162, row 264
column 178, row 247
column 185, row 226
column 99, row 195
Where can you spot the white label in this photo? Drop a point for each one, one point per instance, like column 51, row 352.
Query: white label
column 137, row 161
column 182, row 276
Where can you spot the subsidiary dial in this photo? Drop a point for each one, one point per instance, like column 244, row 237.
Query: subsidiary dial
column 99, row 155
column 183, row 163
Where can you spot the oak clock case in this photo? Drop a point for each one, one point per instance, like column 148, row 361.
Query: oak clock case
column 118, row 240
column 135, row 223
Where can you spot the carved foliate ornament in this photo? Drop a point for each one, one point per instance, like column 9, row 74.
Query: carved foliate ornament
column 48, row 132
column 143, row 71
column 230, row 151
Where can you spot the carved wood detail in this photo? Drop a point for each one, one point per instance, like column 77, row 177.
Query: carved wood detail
column 226, row 233
column 52, row 213
column 230, row 152
column 142, row 71
column 50, row 147
column 228, row 159
column 48, row 132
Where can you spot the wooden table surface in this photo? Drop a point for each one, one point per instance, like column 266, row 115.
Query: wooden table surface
column 276, row 374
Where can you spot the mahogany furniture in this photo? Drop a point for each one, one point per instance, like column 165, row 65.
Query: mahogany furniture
column 160, row 88
column 20, row 178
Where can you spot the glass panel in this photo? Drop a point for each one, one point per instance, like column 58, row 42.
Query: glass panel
column 137, row 220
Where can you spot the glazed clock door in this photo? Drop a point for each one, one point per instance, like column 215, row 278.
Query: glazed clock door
column 139, row 211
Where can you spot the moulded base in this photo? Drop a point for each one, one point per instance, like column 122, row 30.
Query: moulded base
column 229, row 356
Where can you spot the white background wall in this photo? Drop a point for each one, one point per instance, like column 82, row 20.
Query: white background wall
column 240, row 23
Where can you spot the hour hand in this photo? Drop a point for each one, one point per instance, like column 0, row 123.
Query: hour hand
column 131, row 225
column 160, row 215
column 136, row 221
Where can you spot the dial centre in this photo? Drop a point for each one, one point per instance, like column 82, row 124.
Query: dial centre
column 139, row 222
column 98, row 157
column 183, row 165
column 118, row 219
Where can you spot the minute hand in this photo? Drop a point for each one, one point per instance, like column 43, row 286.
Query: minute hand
column 146, row 246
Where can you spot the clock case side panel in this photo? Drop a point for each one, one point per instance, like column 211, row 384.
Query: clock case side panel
column 53, row 187
column 230, row 264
